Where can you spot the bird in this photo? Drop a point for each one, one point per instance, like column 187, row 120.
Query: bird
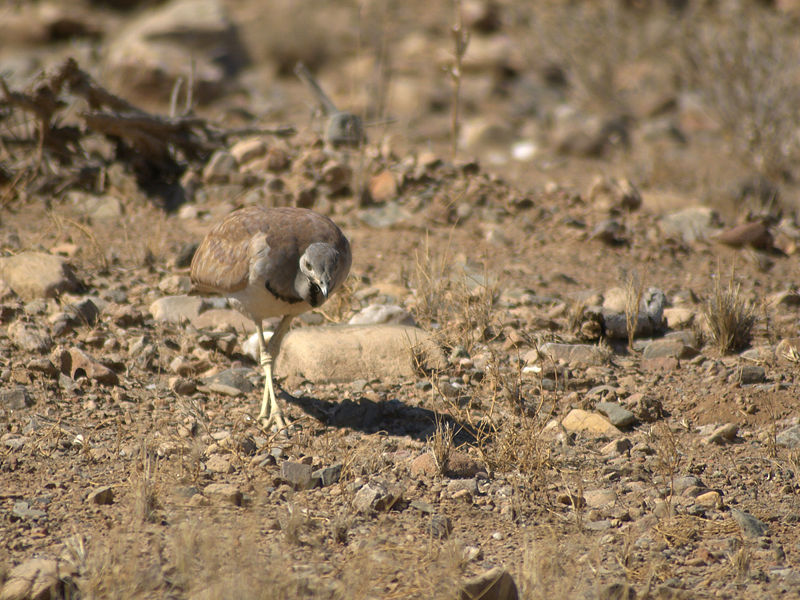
column 272, row 262
column 344, row 128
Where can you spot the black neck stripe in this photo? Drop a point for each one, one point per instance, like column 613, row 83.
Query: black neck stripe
column 278, row 296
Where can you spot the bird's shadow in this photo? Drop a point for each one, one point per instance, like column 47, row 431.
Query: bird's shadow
column 390, row 416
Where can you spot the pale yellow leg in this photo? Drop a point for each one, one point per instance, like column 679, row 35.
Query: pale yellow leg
column 270, row 409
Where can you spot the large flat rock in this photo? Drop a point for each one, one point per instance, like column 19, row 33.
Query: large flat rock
column 37, row 275
column 341, row 353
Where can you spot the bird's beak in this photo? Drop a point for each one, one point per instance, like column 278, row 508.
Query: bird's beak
column 324, row 289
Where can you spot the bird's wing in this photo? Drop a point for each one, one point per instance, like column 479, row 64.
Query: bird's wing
column 221, row 264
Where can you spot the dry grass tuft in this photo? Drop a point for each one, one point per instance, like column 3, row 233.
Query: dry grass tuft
column 729, row 316
column 146, row 505
column 441, row 444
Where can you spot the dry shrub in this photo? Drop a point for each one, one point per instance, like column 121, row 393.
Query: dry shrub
column 146, row 505
column 454, row 304
column 549, row 569
column 441, row 444
column 730, row 318
column 744, row 63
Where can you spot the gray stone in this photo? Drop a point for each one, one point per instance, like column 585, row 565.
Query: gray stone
column 343, row 353
column 619, row 416
column 496, row 584
column 225, row 319
column 231, row 382
column 16, row 398
column 751, row 374
column 30, row 338
column 101, row 495
column 690, row 224
column 723, row 434
column 576, row 355
column 84, row 312
column 177, row 309
column 749, row 525
column 681, row 484
column 23, row 511
column 299, row 475
column 219, row 463
column 223, row 492
column 377, row 314
column 38, row 275
column 328, row 475
column 376, row 496
column 789, row 437
column 668, row 348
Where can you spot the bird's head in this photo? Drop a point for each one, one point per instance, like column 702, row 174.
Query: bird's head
column 317, row 271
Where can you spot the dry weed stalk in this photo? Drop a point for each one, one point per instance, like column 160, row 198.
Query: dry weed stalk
column 634, row 289
column 145, row 493
column 460, row 44
column 441, row 444
column 668, row 458
column 729, row 316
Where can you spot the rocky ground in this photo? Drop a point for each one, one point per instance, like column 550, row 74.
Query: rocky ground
column 522, row 390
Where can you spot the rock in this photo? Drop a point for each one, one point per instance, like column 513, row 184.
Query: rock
column 668, row 348
column 789, row 438
column 756, row 235
column 248, row 149
column 376, row 496
column 342, row 353
column 678, row 318
column 77, row 363
column 616, row 447
column 35, row 579
column 712, row 499
column 219, row 463
column 609, row 231
column 34, row 275
column 650, row 319
column 612, row 194
column 723, row 434
column 619, row 416
column 583, row 421
column 496, row 584
column 223, row 492
column 146, row 56
column 576, row 355
column 424, row 465
column 231, row 382
column 16, row 398
column 337, row 177
column 223, row 319
column 690, row 224
column 328, row 475
column 177, row 309
column 440, row 527
column 646, row 408
column 599, row 498
column 299, row 475
column 101, row 495
column 22, row 511
column 751, row 374
column 219, row 167
column 665, row 363
column 175, row 285
column 378, row 314
column 749, row 525
column 382, row 187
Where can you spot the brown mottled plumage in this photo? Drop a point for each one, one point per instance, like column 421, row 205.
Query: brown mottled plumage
column 272, row 262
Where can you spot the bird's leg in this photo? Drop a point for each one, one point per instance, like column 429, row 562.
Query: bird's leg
column 268, row 354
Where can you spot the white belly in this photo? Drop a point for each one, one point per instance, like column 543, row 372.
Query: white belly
column 256, row 302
